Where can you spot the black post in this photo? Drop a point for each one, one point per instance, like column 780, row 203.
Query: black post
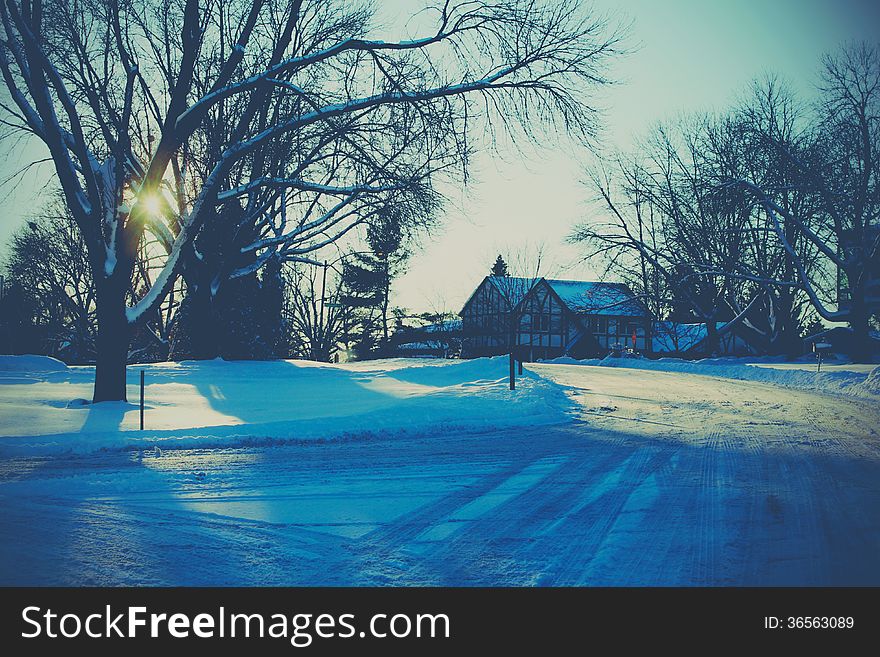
column 512, row 371
column 321, row 330
column 520, row 366
column 142, row 400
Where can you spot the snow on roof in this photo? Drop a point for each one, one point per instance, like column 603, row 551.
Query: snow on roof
column 581, row 297
column 672, row 337
column 595, row 298
column 418, row 346
column 513, row 288
column 446, row 326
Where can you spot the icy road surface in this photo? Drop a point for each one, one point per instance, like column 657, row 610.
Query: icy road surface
column 661, row 479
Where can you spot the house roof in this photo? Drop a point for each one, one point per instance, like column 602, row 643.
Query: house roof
column 513, row 288
column 581, row 297
column 596, row 298
column 672, row 337
column 422, row 346
column 446, row 326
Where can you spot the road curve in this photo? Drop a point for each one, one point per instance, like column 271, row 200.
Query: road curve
column 658, row 479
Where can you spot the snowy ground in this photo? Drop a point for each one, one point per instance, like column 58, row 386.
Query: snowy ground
column 218, row 403
column 643, row 477
column 861, row 380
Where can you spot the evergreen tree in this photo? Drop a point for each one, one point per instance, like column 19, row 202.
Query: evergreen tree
column 241, row 319
column 272, row 321
column 235, row 318
column 500, row 267
column 367, row 281
column 19, row 333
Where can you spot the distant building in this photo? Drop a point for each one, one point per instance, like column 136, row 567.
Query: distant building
column 438, row 340
column 546, row 318
column 690, row 340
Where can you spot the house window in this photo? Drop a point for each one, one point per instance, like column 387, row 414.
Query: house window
column 636, row 328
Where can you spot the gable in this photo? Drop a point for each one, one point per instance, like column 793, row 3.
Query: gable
column 578, row 297
column 540, row 298
column 594, row 298
column 510, row 288
column 513, row 288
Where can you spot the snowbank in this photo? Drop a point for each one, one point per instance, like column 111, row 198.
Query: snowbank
column 30, row 363
column 871, row 385
column 834, row 381
column 219, row 403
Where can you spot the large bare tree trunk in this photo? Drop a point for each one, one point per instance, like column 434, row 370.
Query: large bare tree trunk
column 785, row 340
column 114, row 333
column 860, row 349
column 712, row 340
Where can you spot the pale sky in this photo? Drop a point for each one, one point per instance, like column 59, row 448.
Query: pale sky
column 690, row 56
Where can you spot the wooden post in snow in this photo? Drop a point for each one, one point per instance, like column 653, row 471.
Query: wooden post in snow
column 512, row 372
column 142, row 400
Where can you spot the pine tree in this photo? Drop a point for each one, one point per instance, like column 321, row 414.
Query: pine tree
column 236, row 318
column 272, row 323
column 500, row 267
column 367, row 281
column 19, row 333
column 239, row 321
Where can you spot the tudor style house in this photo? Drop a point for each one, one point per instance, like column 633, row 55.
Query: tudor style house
column 546, row 318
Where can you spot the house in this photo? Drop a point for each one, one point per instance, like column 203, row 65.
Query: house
column 546, row 318
column 840, row 340
column 437, row 340
column 690, row 340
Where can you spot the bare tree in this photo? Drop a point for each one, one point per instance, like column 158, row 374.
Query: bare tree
column 700, row 248
column 674, row 239
column 48, row 262
column 841, row 168
column 118, row 90
column 740, row 148
column 316, row 319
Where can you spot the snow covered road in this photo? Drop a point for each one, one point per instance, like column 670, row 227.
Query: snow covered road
column 661, row 479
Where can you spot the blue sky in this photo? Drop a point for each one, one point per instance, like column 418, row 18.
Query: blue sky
column 689, row 56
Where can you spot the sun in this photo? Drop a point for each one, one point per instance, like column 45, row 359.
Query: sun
column 152, row 204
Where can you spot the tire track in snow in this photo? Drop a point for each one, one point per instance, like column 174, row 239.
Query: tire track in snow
column 490, row 547
column 589, row 526
column 759, row 490
column 382, row 552
column 707, row 525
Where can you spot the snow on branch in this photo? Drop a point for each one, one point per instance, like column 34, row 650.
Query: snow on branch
column 304, row 185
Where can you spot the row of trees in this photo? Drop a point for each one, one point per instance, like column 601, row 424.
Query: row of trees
column 209, row 139
column 284, row 310
column 760, row 220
